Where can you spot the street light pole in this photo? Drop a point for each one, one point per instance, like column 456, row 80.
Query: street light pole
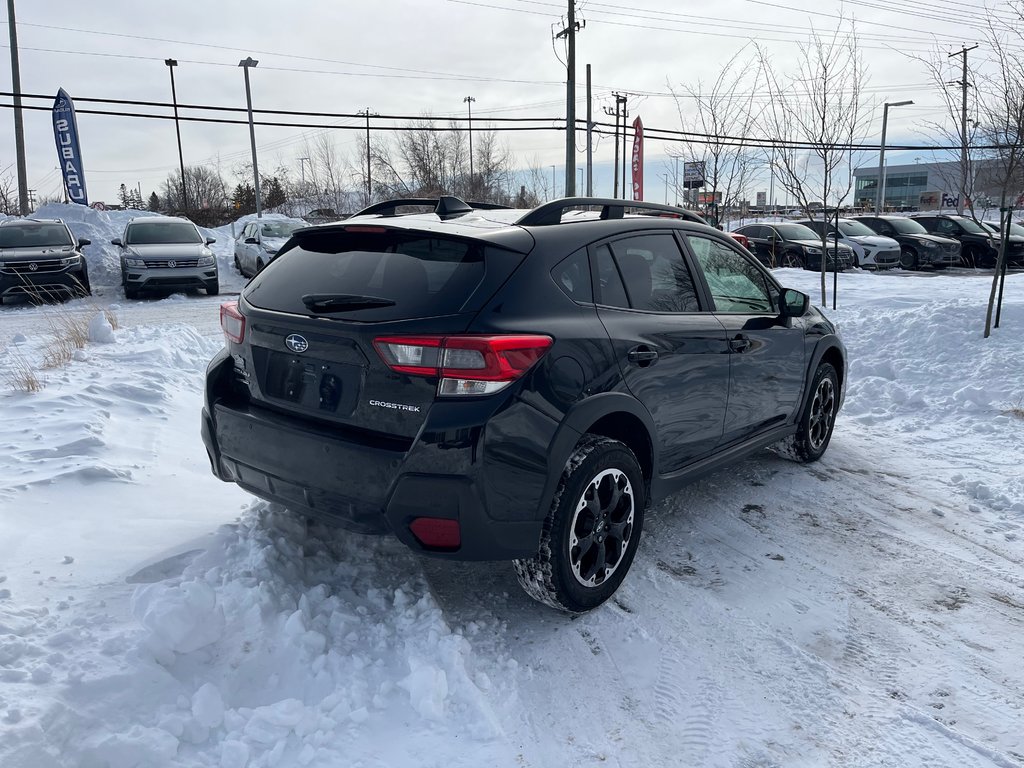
column 469, row 105
column 554, row 186
column 245, row 64
column 880, row 197
column 171, row 64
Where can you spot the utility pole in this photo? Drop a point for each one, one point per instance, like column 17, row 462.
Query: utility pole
column 620, row 103
column 19, row 125
column 369, row 183
column 302, row 168
column 246, row 64
column 590, row 138
column 32, row 199
column 469, row 106
column 620, row 98
column 570, row 99
column 963, row 129
column 171, row 64
column 554, row 184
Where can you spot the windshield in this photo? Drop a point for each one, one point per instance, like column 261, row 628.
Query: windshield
column 277, row 228
column 971, row 226
column 796, row 232
column 906, row 226
column 1015, row 229
column 161, row 233
column 855, row 229
column 35, row 236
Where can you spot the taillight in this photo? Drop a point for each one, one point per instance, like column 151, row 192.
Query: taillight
column 466, row 365
column 232, row 322
column 436, row 532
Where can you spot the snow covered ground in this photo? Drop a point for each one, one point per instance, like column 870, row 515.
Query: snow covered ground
column 863, row 611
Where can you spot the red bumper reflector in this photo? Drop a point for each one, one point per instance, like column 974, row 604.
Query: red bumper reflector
column 436, row 532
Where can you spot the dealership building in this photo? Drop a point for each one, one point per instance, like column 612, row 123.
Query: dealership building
column 921, row 186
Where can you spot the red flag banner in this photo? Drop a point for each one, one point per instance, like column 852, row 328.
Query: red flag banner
column 638, row 159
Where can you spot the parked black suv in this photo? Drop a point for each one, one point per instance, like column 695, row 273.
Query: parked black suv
column 498, row 384
column 794, row 245
column 979, row 247
column 918, row 247
column 41, row 259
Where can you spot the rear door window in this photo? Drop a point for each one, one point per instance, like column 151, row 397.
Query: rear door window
column 413, row 274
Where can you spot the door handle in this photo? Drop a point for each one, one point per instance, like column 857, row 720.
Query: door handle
column 642, row 355
column 739, row 344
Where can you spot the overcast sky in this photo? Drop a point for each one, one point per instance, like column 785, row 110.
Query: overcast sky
column 417, row 56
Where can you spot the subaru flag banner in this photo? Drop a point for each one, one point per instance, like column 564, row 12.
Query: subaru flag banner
column 69, row 155
column 638, row 159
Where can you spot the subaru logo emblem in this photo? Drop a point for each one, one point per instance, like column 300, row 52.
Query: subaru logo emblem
column 172, row 264
column 296, row 343
column 33, row 267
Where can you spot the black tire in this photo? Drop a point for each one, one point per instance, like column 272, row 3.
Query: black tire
column 791, row 259
column 817, row 420
column 238, row 266
column 131, row 293
column 600, row 498
column 212, row 289
column 83, row 288
column 908, row 258
column 259, row 267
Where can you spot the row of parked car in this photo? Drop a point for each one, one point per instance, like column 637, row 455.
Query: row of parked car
column 882, row 242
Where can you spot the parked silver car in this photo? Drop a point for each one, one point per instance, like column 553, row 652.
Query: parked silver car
column 259, row 243
column 870, row 250
column 166, row 254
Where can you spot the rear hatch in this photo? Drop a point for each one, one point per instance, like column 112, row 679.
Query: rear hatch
column 315, row 318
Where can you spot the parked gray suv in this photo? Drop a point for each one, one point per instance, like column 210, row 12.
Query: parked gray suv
column 41, row 259
column 166, row 254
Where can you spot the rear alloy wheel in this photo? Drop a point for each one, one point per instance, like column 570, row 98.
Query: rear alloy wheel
column 791, row 259
column 908, row 258
column 818, row 419
column 592, row 531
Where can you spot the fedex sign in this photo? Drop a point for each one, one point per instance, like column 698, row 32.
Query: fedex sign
column 69, row 155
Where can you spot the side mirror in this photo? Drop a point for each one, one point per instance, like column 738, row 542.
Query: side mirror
column 211, row 240
column 117, row 241
column 792, row 303
column 251, row 241
column 82, row 242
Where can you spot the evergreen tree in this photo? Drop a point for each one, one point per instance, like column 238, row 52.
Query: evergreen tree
column 244, row 199
column 125, row 197
column 154, row 202
column 273, row 193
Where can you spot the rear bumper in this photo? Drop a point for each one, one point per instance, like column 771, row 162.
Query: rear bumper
column 459, row 472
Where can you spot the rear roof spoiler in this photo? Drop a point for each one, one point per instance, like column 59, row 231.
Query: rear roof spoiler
column 551, row 213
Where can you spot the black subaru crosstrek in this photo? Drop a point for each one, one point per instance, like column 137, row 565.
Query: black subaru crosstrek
column 491, row 384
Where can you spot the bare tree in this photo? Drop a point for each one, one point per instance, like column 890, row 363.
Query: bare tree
column 1000, row 95
column 9, row 202
column 205, row 188
column 815, row 114
column 723, row 114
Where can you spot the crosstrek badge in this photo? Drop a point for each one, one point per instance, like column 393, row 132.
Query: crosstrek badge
column 395, row 406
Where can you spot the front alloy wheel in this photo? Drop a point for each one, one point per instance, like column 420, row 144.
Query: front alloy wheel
column 823, row 414
column 592, row 530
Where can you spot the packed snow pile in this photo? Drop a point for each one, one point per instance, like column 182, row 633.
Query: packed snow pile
column 862, row 611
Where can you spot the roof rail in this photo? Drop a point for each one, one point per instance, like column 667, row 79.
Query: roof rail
column 445, row 206
column 551, row 213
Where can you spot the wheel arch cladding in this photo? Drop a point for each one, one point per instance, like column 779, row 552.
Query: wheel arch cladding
column 631, row 431
column 833, row 356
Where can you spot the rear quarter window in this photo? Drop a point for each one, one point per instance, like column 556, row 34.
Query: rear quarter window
column 423, row 274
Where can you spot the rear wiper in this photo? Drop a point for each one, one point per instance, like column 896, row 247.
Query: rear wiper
column 340, row 302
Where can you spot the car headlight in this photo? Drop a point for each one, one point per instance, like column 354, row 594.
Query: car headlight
column 67, row 261
column 812, row 251
column 135, row 263
column 929, row 245
column 269, row 251
column 206, row 261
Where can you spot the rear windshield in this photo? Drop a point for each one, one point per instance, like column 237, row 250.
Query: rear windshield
column 424, row 275
column 162, row 232
column 34, row 236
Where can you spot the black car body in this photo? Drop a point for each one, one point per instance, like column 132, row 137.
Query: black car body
column 918, row 247
column 41, row 259
column 979, row 246
column 793, row 245
column 443, row 377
